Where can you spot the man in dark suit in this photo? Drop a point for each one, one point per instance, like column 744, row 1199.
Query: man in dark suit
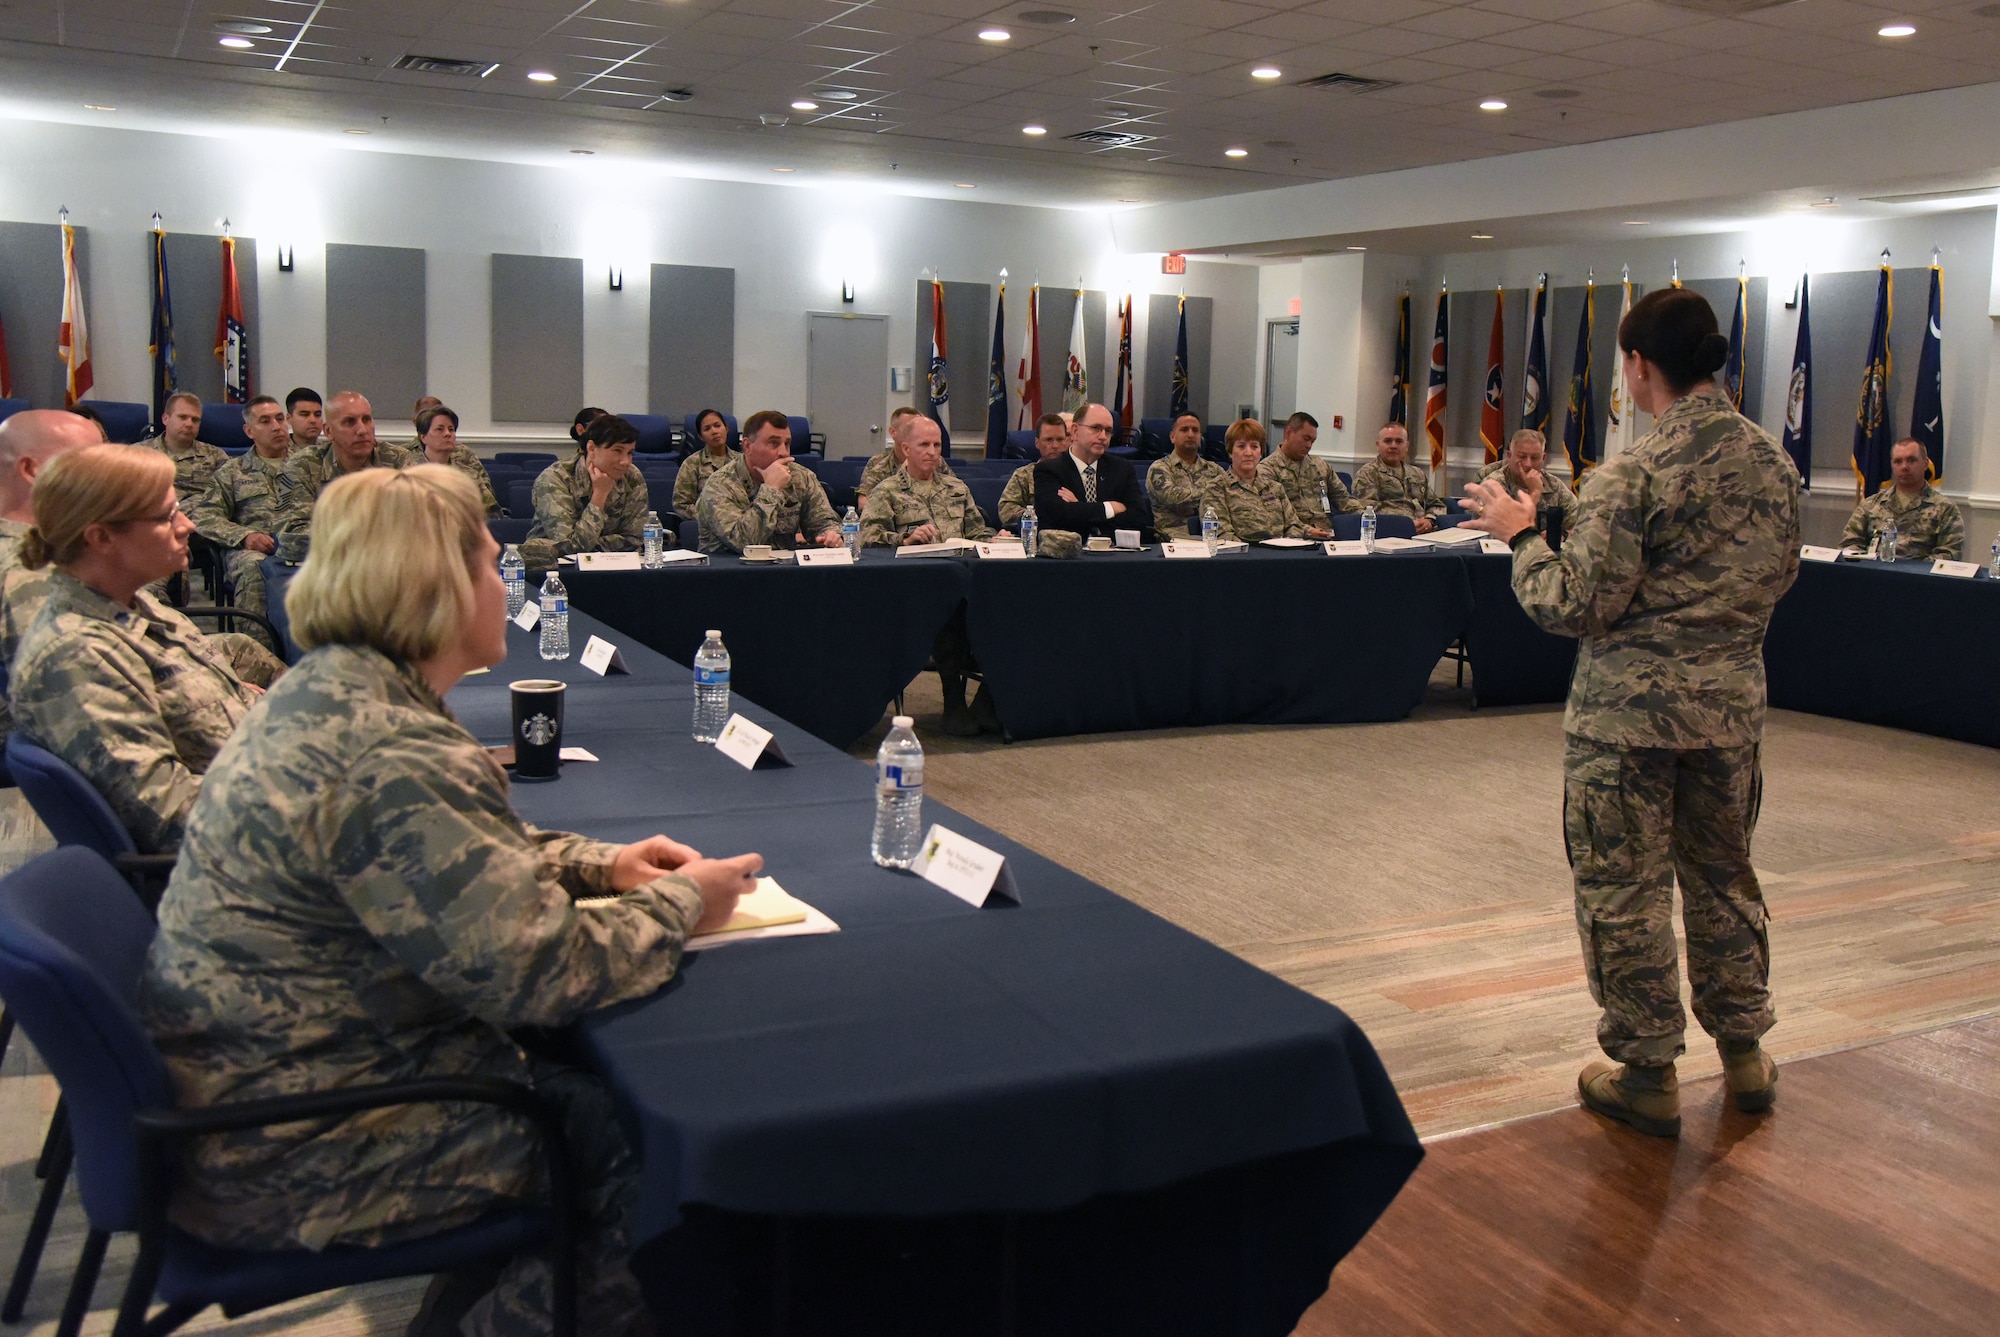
column 1086, row 491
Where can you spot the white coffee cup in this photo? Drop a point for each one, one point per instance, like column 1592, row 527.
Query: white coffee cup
column 757, row 552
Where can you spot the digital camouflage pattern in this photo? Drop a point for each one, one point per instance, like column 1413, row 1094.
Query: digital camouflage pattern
column 1255, row 510
column 1402, row 489
column 1303, row 481
column 137, row 700
column 693, row 475
column 566, row 522
column 885, row 463
column 1177, row 489
column 1928, row 525
column 735, row 512
column 467, row 462
column 1682, row 546
column 247, row 496
column 900, row 504
column 1017, row 496
column 308, row 472
column 357, row 902
column 1556, row 495
column 21, row 595
column 194, row 469
column 1635, row 819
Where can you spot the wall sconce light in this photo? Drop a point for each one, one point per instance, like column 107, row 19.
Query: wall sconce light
column 617, row 279
column 284, row 258
column 847, row 291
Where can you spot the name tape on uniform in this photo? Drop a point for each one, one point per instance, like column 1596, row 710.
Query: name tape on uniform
column 749, row 745
column 530, row 614
column 601, row 657
column 965, row 868
column 825, row 557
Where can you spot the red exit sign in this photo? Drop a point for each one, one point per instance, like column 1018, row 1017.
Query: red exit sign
column 1173, row 264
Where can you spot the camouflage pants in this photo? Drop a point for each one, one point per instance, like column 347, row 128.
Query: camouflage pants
column 1635, row 819
column 245, row 571
column 247, row 656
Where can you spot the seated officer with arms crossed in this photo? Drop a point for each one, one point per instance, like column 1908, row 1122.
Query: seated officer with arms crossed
column 593, row 502
column 1250, row 504
column 1928, row 524
column 763, row 497
column 1310, row 481
column 1527, row 453
column 1087, row 492
column 1393, row 485
column 1179, row 481
column 1051, row 439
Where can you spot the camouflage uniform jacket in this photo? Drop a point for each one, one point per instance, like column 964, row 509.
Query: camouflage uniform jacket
column 247, row 496
column 1927, row 526
column 1683, row 544
column 21, row 594
column 1017, row 496
column 1556, row 494
column 308, row 472
column 1304, row 480
column 886, row 463
column 356, row 902
column 193, row 469
column 1176, row 488
column 901, row 504
column 466, row 461
column 1402, row 489
column 693, row 475
column 1258, row 509
column 566, row 522
column 735, row 511
column 136, row 699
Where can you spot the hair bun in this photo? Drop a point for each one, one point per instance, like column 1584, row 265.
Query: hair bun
column 1710, row 354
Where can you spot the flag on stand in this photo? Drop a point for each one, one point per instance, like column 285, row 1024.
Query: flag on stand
column 1399, row 395
column 160, row 340
column 1076, row 376
column 1031, row 363
column 937, row 385
column 1732, row 367
column 1121, row 390
column 996, row 381
column 232, row 338
column 1927, row 411
column 73, row 341
column 1618, row 425
column 1434, row 391
column 1178, row 402
column 1580, row 427
column 1493, row 405
column 1798, row 393
column 1535, row 410
column 1871, row 417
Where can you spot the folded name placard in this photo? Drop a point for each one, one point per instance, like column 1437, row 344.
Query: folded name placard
column 530, row 614
column 1345, row 548
column 1813, row 553
column 1284, row 543
column 1963, row 570
column 601, row 657
column 1003, row 551
column 965, row 868
column 1185, row 548
column 1495, row 547
column 749, row 745
column 607, row 561
column 825, row 557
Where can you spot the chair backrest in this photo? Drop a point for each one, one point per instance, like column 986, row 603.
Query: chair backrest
column 73, row 941
column 656, row 432
column 222, row 425
column 1386, row 527
column 9, row 407
column 521, row 498
column 1020, row 446
column 691, row 535
column 124, row 422
column 801, row 434
column 73, row 811
column 986, row 493
column 524, row 459
column 508, row 530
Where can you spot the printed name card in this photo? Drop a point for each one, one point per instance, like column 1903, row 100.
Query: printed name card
column 1186, row 548
column 602, row 658
column 749, row 745
column 1496, row 547
column 1963, row 570
column 825, row 557
column 530, row 614
column 965, row 868
column 1006, row 552
column 1345, row 548
column 1813, row 553
column 608, row 561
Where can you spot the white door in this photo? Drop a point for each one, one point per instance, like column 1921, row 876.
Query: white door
column 847, row 380
column 1281, row 370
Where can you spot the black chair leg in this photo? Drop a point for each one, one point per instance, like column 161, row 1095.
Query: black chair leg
column 139, row 1291
column 56, row 1138
column 6, row 1032
column 170, row 1318
column 83, row 1284
column 38, row 1227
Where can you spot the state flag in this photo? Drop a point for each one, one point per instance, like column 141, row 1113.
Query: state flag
column 1535, row 408
column 1927, row 410
column 1493, row 405
column 232, row 337
column 1434, row 391
column 1798, row 391
column 1871, row 415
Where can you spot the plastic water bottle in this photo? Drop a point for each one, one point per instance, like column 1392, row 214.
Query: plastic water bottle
column 1028, row 530
column 1995, row 572
column 899, row 797
column 514, row 575
column 1211, row 526
column 711, row 688
column 1325, row 507
column 1889, row 542
column 555, row 618
column 1368, row 527
column 650, row 540
column 850, row 533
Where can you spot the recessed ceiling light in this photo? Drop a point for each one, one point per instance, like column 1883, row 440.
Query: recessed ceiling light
column 1267, row 72
column 839, row 95
column 353, row 132
column 964, row 185
column 242, row 26
column 97, row 106
column 1482, row 236
column 541, row 76
column 1050, row 18
column 1493, row 104
column 583, row 153
column 784, row 169
column 235, row 43
column 1637, row 222
column 677, row 94
column 1357, row 248
column 1896, row 30
column 805, row 104
column 994, row 35
column 1236, row 153
column 1034, row 129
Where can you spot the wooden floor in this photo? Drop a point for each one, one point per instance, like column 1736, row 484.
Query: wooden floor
column 1866, row 1202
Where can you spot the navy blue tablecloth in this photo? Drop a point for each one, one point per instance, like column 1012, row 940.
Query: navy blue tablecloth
column 1513, row 661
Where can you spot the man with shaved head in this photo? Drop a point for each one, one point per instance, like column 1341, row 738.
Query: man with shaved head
column 350, row 446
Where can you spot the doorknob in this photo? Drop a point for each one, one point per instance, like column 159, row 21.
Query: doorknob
column 874, row 427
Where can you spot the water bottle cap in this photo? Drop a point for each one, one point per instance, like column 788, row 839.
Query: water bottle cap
column 716, row 634
column 902, row 721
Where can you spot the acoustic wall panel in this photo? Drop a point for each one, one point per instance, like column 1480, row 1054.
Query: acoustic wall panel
column 537, row 338
column 194, row 267
column 1156, row 389
column 1721, row 294
column 375, row 325
column 1058, row 311
column 31, row 306
column 968, row 327
column 1843, row 309
column 692, row 342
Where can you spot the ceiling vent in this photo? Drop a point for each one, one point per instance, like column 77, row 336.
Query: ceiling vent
column 1108, row 139
column 1347, row 83
column 440, row 65
column 1927, row 196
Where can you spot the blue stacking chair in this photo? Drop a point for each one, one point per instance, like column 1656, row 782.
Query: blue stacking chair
column 9, row 407
column 802, row 442
column 123, row 421
column 691, row 535
column 520, row 498
column 72, row 945
column 524, row 459
column 1020, row 446
column 510, row 529
column 1211, row 443
column 222, row 425
column 656, row 432
column 1386, row 527
column 986, row 494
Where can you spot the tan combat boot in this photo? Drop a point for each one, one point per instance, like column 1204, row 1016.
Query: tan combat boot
column 1649, row 1099
column 1751, row 1076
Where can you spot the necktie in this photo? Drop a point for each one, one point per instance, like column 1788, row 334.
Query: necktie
column 1090, row 483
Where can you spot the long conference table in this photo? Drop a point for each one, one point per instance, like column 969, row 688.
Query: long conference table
column 1062, row 1116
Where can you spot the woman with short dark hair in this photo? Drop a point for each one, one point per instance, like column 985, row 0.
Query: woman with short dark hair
column 437, row 436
